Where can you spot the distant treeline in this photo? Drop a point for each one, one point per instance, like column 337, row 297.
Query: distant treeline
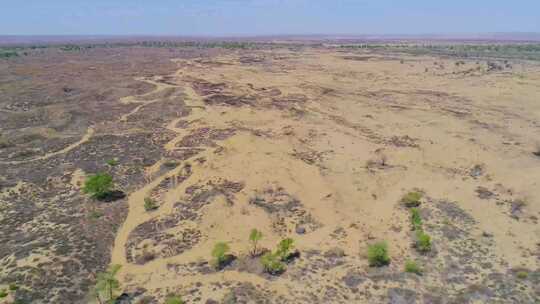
column 508, row 51
column 14, row 51
column 528, row 51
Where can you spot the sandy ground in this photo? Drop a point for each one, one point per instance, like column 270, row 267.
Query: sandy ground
column 313, row 128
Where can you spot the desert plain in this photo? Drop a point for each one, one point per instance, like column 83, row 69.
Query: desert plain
column 316, row 143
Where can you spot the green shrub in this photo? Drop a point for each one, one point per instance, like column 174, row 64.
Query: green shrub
column 285, row 248
column 254, row 237
column 220, row 254
column 423, row 241
column 378, row 254
column 412, row 199
column 416, row 219
column 13, row 287
column 522, row 275
column 272, row 263
column 3, row 293
column 413, row 267
column 149, row 204
column 174, row 299
column 98, row 185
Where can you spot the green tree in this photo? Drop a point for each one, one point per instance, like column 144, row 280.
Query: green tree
column 220, row 254
column 98, row 185
column 107, row 284
column 254, row 237
column 284, row 248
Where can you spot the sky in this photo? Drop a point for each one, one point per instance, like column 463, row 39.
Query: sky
column 266, row 17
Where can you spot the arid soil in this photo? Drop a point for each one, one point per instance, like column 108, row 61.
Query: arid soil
column 315, row 144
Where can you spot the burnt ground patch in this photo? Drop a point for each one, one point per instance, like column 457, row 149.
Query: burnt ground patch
column 287, row 212
column 51, row 244
column 205, row 137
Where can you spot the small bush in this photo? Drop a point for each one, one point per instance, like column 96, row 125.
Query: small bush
column 99, row 185
column 220, row 254
column 522, row 275
column 423, row 241
column 254, row 237
column 413, row 267
column 112, row 162
column 284, row 250
column 416, row 219
column 174, row 299
column 3, row 293
column 272, row 264
column 412, row 199
column 378, row 254
column 170, row 164
column 149, row 204
column 13, row 287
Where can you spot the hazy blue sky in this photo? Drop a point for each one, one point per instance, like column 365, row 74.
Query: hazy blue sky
column 262, row 17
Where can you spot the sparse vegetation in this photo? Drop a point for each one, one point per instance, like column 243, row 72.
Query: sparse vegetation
column 13, row 287
column 174, row 299
column 98, row 186
column 254, row 237
column 150, row 204
column 220, row 254
column 3, row 293
column 378, row 254
column 413, row 267
column 412, row 199
column 107, row 284
column 272, row 263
